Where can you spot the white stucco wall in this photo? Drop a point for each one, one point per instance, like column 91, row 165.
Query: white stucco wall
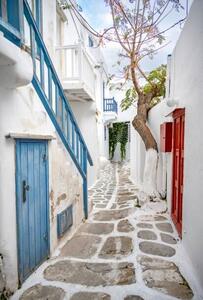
column 186, row 82
column 186, row 88
column 85, row 113
column 137, row 157
column 157, row 116
column 22, row 112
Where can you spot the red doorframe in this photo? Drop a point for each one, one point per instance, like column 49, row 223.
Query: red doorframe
column 178, row 167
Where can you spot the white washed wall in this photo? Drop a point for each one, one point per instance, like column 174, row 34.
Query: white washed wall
column 137, row 157
column 186, row 84
column 85, row 114
column 21, row 111
column 157, row 116
column 186, row 88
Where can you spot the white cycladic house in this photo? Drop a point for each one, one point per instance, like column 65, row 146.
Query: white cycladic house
column 177, row 124
column 83, row 74
column 51, row 114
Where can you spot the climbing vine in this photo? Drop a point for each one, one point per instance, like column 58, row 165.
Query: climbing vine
column 118, row 133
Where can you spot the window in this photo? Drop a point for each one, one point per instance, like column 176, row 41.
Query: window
column 90, row 42
column 9, row 12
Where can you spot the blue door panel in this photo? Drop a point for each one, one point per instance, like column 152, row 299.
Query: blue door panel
column 43, row 209
column 32, row 205
column 30, row 199
column 38, row 235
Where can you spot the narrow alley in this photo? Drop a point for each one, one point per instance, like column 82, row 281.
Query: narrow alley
column 121, row 252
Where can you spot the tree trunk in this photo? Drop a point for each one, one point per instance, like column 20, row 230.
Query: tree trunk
column 150, row 170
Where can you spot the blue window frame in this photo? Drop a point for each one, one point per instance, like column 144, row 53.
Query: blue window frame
column 10, row 12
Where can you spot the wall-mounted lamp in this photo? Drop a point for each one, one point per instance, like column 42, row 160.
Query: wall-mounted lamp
column 172, row 102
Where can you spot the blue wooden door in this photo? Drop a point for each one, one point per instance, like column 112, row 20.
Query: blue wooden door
column 32, row 205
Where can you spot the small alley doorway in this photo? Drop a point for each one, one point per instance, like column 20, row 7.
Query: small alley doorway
column 32, row 205
column 119, row 141
column 178, row 168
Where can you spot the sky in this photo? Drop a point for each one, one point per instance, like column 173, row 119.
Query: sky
column 98, row 15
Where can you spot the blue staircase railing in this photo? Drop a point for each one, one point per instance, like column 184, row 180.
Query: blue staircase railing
column 110, row 105
column 48, row 86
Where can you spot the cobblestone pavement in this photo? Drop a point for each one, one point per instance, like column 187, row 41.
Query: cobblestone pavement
column 122, row 252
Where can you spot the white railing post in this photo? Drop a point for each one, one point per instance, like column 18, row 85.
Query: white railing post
column 80, row 61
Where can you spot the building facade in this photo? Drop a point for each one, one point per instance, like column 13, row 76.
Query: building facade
column 51, row 114
column 177, row 124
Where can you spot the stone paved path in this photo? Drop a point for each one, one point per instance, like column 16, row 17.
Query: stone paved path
column 122, row 252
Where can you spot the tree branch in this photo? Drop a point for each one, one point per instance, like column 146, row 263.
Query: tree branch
column 115, row 28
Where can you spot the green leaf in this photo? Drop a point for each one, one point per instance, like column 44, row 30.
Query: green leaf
column 156, row 82
column 130, row 99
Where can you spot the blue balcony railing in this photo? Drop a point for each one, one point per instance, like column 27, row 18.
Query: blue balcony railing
column 110, row 105
column 14, row 15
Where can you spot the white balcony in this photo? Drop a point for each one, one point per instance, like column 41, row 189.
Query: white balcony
column 76, row 69
column 110, row 109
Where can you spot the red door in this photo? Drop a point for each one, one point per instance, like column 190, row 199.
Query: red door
column 178, row 167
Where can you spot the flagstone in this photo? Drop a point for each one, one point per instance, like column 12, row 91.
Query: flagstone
column 81, row 246
column 97, row 228
column 156, row 249
column 110, row 215
column 125, row 226
column 166, row 227
column 116, row 247
column 165, row 277
column 124, row 206
column 160, row 218
column 126, row 198
column 147, row 235
column 144, row 225
column 40, row 292
column 91, row 274
column 113, row 206
column 123, row 193
column 100, row 206
column 167, row 238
